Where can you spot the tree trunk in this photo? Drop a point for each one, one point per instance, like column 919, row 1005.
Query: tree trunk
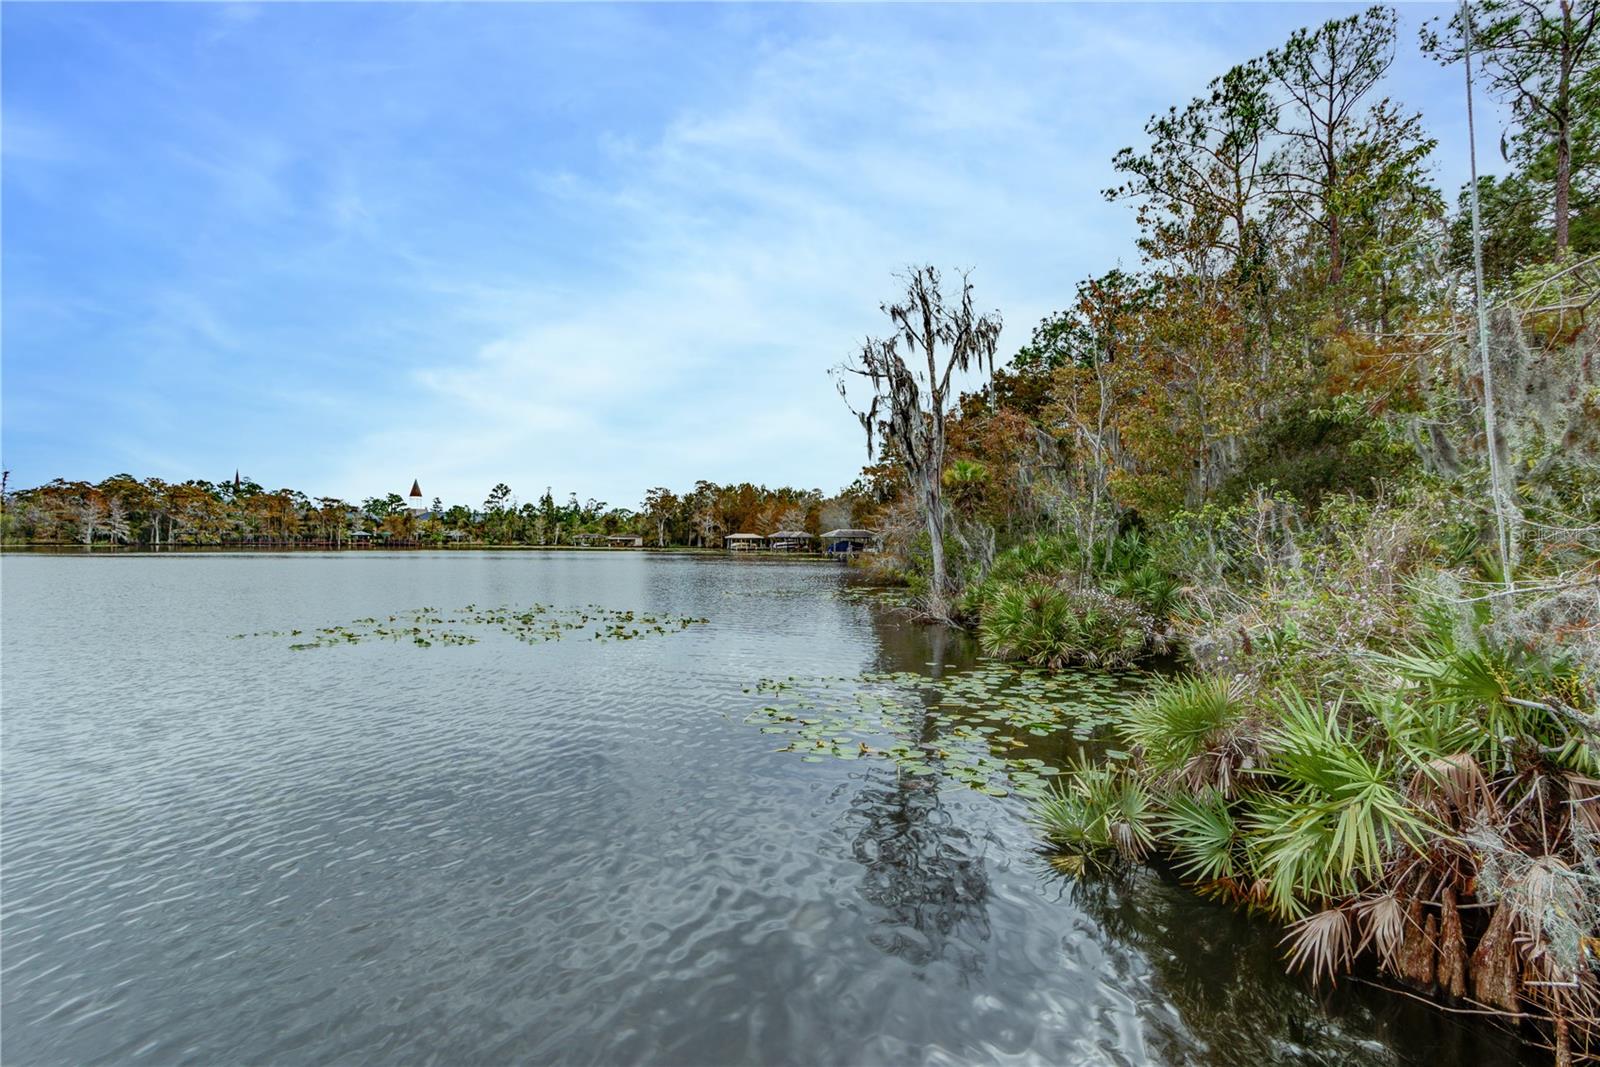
column 937, row 586
column 1563, row 182
column 1494, row 969
column 1564, row 132
column 1415, row 961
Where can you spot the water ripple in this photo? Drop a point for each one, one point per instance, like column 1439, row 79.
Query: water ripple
column 226, row 851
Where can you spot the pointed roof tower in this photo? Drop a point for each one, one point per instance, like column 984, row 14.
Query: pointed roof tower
column 416, row 490
column 236, row 480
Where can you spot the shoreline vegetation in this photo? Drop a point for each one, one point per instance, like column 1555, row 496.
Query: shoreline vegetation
column 1289, row 451
column 1284, row 451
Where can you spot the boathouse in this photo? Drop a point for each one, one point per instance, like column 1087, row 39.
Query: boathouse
column 848, row 542
column 790, row 541
column 744, row 542
column 625, row 541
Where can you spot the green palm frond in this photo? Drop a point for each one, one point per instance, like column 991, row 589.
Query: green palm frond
column 1342, row 814
column 1203, row 836
column 1472, row 699
column 1177, row 719
column 1099, row 809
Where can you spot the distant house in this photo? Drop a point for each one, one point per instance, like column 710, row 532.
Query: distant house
column 744, row 542
column 790, row 541
column 848, row 542
column 625, row 541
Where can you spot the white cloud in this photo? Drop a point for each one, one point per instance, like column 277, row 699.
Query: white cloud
column 749, row 246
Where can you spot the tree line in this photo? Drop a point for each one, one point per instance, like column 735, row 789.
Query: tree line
column 124, row 510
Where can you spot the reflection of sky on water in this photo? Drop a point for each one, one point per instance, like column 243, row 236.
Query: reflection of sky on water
column 574, row 850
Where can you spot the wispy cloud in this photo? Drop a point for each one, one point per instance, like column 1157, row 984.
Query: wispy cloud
column 592, row 248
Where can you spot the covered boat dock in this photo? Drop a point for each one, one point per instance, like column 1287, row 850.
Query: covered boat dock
column 848, row 542
column 790, row 541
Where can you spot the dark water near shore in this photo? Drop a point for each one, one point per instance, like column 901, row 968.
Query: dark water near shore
column 221, row 851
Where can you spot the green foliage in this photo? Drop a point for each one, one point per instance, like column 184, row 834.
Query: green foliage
column 1179, row 720
column 1045, row 557
column 1313, row 451
column 1032, row 621
column 1203, row 835
column 1481, row 698
column 1099, row 809
column 1047, row 625
column 1154, row 590
column 1341, row 814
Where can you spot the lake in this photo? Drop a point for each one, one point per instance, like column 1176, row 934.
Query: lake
column 564, row 841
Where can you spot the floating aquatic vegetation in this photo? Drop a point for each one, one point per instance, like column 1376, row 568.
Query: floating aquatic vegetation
column 861, row 593
column 536, row 624
column 996, row 728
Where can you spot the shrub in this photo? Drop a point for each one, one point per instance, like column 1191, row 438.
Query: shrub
column 1196, row 729
column 1435, row 809
column 1154, row 590
column 1099, row 809
column 1312, row 452
column 1046, row 625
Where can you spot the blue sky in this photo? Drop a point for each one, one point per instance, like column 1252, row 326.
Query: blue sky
column 598, row 248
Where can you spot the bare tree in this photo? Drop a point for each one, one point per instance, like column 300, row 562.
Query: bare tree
column 117, row 522
column 908, row 406
column 90, row 513
column 835, row 514
column 786, row 517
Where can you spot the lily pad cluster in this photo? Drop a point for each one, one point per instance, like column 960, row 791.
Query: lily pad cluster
column 534, row 625
column 995, row 728
column 888, row 596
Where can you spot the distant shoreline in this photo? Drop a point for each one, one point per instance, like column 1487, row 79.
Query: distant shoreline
column 165, row 550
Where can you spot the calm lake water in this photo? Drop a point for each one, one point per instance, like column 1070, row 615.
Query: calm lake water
column 225, row 850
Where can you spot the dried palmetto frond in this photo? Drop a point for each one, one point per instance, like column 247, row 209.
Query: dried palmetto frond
column 1453, row 786
column 1583, row 800
column 1382, row 921
column 1320, row 943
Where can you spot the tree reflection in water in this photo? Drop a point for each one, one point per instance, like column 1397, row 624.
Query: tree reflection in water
column 923, row 872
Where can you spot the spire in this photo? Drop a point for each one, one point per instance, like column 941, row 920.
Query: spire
column 236, row 480
column 416, row 490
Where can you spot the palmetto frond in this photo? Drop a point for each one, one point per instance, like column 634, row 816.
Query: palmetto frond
column 1099, row 809
column 1181, row 721
column 1320, row 943
column 1203, row 836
